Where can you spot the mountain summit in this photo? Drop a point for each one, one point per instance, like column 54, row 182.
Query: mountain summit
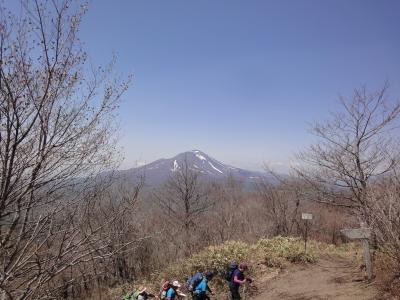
column 160, row 170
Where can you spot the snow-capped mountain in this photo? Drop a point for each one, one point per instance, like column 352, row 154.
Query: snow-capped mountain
column 160, row 170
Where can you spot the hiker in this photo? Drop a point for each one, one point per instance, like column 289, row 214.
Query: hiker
column 164, row 289
column 238, row 279
column 200, row 291
column 193, row 282
column 173, row 291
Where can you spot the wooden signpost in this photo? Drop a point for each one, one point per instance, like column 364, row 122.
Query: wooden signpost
column 306, row 217
column 363, row 234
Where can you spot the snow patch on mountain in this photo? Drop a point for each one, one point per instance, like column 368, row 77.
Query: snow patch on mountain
column 212, row 166
column 176, row 166
column 200, row 156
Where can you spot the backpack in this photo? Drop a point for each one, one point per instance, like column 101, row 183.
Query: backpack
column 229, row 272
column 194, row 281
column 164, row 289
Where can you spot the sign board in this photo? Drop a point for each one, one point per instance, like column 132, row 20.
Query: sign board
column 306, row 216
column 358, row 233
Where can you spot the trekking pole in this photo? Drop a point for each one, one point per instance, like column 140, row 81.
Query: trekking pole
column 245, row 291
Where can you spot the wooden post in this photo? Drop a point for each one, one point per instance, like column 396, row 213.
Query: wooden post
column 364, row 235
column 305, row 238
column 367, row 258
column 306, row 217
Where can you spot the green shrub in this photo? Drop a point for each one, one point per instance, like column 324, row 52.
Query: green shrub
column 276, row 252
column 213, row 258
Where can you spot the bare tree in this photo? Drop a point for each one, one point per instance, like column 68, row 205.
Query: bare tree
column 281, row 203
column 353, row 148
column 228, row 197
column 183, row 199
column 386, row 214
column 56, row 128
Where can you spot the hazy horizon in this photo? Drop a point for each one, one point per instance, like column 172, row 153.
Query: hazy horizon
column 255, row 167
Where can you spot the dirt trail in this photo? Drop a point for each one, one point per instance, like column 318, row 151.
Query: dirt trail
column 330, row 278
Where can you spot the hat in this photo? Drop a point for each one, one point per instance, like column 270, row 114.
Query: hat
column 141, row 289
column 176, row 284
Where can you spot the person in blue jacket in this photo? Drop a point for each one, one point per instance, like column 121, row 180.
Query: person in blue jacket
column 173, row 291
column 200, row 292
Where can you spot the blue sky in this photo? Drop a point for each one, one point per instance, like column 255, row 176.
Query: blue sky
column 240, row 80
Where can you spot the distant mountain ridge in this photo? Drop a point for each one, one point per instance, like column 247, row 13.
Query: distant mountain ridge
column 160, row 170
